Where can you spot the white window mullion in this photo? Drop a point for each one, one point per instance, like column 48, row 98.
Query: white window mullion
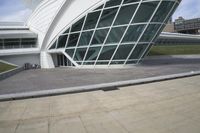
column 157, row 32
column 125, row 32
column 143, row 32
column 119, row 8
column 93, row 34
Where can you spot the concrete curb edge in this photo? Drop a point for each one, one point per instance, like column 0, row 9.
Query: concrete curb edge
column 102, row 86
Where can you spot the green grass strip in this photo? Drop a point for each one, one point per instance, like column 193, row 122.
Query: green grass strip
column 5, row 67
column 175, row 50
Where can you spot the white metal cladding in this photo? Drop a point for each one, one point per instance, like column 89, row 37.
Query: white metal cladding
column 146, row 22
column 43, row 16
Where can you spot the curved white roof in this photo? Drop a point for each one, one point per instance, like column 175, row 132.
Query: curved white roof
column 52, row 17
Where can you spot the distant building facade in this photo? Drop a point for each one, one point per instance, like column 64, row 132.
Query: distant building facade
column 191, row 26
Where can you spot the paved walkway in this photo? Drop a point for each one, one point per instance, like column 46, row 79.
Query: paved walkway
column 164, row 107
column 37, row 80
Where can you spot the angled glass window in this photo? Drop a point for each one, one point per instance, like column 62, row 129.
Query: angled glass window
column 78, row 25
column 62, row 41
column 85, row 38
column 107, row 17
column 1, row 44
column 54, row 45
column 133, row 33
column 113, row 3
column 138, row 51
column 80, row 53
column 73, row 38
column 92, row 53
column 162, row 11
column 115, row 35
column 67, row 31
column 98, row 8
column 125, row 14
column 123, row 52
column 150, row 32
column 91, row 20
column 99, row 36
column 145, row 12
column 130, row 1
column 70, row 52
column 107, row 52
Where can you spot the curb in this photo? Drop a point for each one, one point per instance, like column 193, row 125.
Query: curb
column 103, row 86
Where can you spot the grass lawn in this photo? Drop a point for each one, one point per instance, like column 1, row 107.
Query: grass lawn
column 174, row 50
column 5, row 67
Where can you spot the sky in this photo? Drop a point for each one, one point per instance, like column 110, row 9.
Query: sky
column 15, row 10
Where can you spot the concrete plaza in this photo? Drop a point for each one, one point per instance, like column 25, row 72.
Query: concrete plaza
column 164, row 107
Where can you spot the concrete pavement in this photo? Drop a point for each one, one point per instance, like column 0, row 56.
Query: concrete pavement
column 164, row 107
column 42, row 80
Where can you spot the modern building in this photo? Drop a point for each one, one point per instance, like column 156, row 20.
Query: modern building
column 87, row 33
column 190, row 26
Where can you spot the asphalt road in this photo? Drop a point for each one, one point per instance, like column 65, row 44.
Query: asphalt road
column 36, row 80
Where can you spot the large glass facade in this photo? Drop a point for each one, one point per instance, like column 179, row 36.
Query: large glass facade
column 117, row 32
column 15, row 43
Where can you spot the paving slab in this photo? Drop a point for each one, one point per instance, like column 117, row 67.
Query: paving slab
column 161, row 107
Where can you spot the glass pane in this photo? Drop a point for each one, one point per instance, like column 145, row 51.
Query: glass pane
column 54, row 45
column 145, row 12
column 98, row 8
column 150, row 32
column 73, row 38
column 80, row 53
column 78, row 25
column 107, row 17
column 91, row 20
column 125, row 14
column 12, row 43
column 133, row 33
column 130, row 1
column 115, row 35
column 62, row 41
column 107, row 52
column 163, row 10
column 123, row 52
column 85, row 38
column 138, row 51
column 93, row 53
column 67, row 31
column 1, row 44
column 70, row 52
column 99, row 36
column 113, row 3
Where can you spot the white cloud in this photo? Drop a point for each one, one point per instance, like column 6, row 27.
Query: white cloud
column 188, row 9
column 19, row 16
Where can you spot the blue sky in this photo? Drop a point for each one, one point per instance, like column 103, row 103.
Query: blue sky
column 14, row 10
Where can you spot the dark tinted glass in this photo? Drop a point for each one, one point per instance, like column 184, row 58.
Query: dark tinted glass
column 123, row 52
column 107, row 52
column 80, row 53
column 125, row 14
column 85, row 38
column 62, row 41
column 133, row 33
column 145, row 12
column 107, row 17
column 70, row 52
column 138, row 51
column 130, row 1
column 113, row 3
column 163, row 10
column 92, row 53
column 99, row 36
column 73, row 38
column 115, row 35
column 91, row 20
column 78, row 25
